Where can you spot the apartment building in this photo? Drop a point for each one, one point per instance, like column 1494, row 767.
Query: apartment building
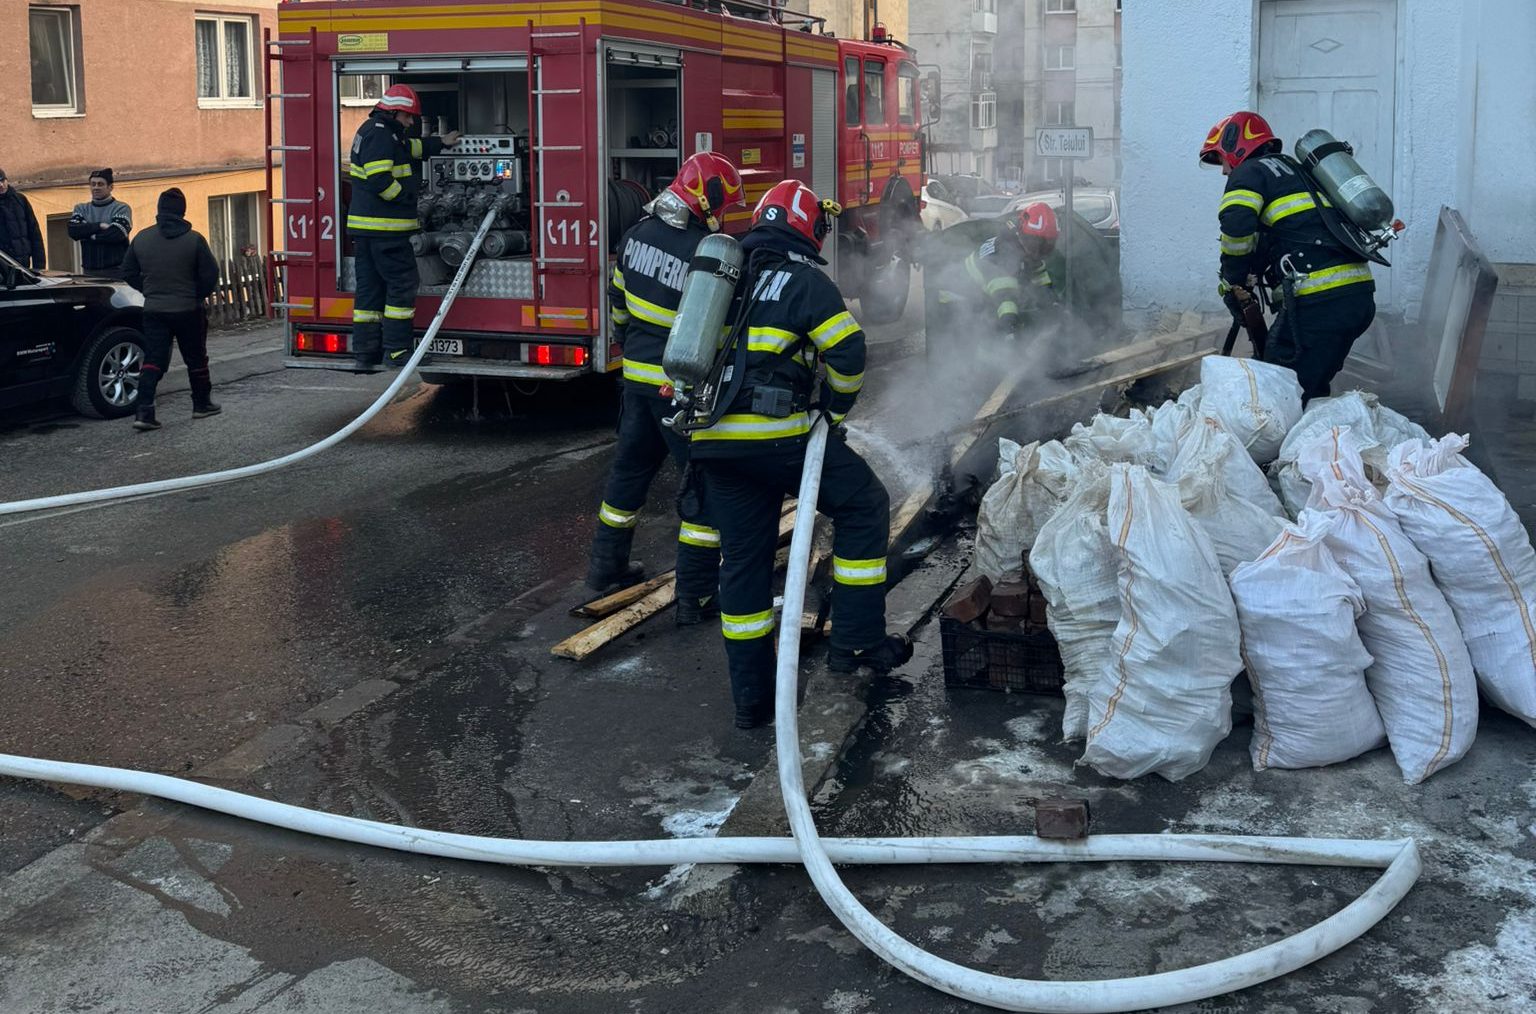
column 957, row 42
column 165, row 92
column 1065, row 71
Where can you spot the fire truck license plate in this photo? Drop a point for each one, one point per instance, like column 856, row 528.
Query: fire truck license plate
column 447, row 347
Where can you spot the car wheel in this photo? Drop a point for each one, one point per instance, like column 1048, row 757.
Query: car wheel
column 107, row 386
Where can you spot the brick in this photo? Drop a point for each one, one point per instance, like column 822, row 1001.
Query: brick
column 1011, row 599
column 1037, row 615
column 998, row 621
column 1499, row 346
column 1061, row 818
column 969, row 601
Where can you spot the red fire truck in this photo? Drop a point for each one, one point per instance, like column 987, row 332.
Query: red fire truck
column 582, row 109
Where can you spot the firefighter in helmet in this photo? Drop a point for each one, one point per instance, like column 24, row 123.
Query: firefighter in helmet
column 643, row 295
column 386, row 177
column 1272, row 229
column 1006, row 274
column 789, row 314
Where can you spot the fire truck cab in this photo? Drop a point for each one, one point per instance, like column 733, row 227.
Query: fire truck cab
column 580, row 111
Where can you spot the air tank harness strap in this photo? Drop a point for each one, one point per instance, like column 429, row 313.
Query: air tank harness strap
column 1322, row 151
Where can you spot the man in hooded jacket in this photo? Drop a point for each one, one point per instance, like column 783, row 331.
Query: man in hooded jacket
column 19, row 235
column 172, row 265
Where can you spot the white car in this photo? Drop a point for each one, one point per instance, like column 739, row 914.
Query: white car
column 1099, row 206
column 939, row 210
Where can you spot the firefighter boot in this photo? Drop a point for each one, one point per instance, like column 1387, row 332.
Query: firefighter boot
column 890, row 652
column 695, row 609
column 605, row 579
column 144, row 419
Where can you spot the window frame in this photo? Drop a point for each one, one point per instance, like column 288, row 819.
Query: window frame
column 853, row 74
column 1070, row 52
column 1054, row 109
column 74, row 74
column 908, row 87
column 359, row 99
column 221, row 219
column 1061, row 6
column 222, row 101
column 873, row 68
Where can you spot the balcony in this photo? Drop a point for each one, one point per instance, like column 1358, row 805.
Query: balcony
column 984, row 22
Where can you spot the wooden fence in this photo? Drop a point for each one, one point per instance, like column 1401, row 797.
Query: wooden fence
column 242, row 292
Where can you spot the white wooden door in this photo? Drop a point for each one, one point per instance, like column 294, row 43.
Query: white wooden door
column 1333, row 64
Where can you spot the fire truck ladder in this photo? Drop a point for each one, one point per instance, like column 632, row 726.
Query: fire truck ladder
column 281, row 256
column 556, row 44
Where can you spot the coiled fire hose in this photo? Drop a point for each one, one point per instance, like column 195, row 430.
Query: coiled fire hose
column 1399, row 858
column 262, row 468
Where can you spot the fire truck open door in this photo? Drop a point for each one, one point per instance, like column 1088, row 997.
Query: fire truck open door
column 823, row 153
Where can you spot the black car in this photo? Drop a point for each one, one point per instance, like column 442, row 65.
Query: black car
column 69, row 336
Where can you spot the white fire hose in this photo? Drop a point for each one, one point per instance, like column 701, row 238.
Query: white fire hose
column 1399, row 858
column 262, row 468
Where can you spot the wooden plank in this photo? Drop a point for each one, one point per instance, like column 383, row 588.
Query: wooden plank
column 598, row 608
column 582, row 645
column 1159, row 343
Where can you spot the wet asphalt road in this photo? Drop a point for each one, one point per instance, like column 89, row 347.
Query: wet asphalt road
column 368, row 634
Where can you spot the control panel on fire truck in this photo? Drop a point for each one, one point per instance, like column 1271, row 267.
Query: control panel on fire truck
column 480, row 158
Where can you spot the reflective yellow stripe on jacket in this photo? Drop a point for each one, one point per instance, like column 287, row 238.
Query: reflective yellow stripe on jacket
column 648, row 311
column 834, row 329
column 745, row 426
column 645, row 373
column 1284, row 207
column 370, row 224
column 1242, row 199
column 1333, row 278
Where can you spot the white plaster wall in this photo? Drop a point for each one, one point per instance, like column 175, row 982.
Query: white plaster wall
column 1500, row 200
column 1187, row 63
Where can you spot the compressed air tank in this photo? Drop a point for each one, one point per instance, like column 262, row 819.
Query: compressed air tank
column 708, row 289
column 1332, row 164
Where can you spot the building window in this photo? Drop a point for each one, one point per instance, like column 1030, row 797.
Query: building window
column 1058, row 57
column 363, row 89
column 53, row 34
column 225, row 65
column 986, row 6
column 851, row 92
column 874, row 91
column 1117, row 6
column 233, row 227
column 1061, row 6
column 906, row 93
column 981, row 70
column 63, row 252
column 984, row 111
column 1060, row 114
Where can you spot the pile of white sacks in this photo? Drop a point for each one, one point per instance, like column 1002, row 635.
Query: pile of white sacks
column 1403, row 585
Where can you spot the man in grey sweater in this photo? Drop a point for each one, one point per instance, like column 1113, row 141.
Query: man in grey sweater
column 175, row 270
column 102, row 226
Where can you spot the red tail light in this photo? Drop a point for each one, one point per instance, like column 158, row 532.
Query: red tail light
column 309, row 342
column 556, row 355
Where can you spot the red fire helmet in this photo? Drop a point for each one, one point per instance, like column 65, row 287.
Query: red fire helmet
column 1236, row 139
column 400, row 98
column 793, row 206
column 708, row 184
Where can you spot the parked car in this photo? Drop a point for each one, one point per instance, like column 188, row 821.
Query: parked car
column 974, row 195
column 1100, row 206
column 940, row 207
column 69, row 336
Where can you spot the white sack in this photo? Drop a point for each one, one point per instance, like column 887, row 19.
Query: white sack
column 1421, row 677
column 1481, row 558
column 1257, row 402
column 1170, row 422
column 1377, row 429
column 1209, row 440
column 1164, row 700
column 1035, row 480
column 1111, row 439
column 1305, row 661
column 1072, row 561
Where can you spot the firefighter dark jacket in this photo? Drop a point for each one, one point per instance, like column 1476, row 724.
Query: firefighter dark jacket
column 1268, row 213
column 994, row 272
column 798, row 314
column 644, row 291
column 386, row 177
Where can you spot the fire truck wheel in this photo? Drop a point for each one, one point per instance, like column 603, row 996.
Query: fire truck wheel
column 884, row 299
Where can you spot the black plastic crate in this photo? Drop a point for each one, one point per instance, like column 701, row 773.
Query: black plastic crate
column 1015, row 661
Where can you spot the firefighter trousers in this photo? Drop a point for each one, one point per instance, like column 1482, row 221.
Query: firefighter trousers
column 387, row 280
column 745, row 496
column 189, row 330
column 1316, row 343
column 644, row 444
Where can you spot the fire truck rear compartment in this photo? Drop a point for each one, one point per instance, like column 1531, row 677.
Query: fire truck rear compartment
column 494, row 158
